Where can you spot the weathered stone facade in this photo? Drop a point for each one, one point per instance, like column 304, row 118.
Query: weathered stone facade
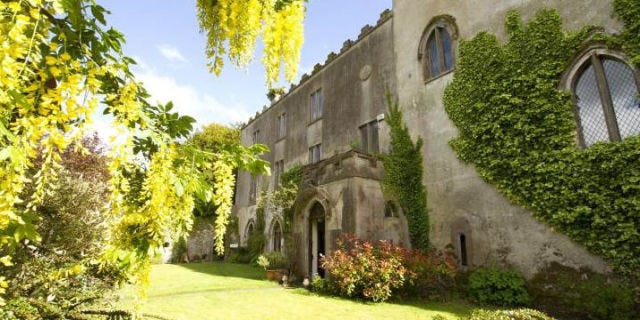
column 464, row 210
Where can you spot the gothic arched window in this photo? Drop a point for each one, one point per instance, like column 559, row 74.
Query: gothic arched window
column 605, row 90
column 276, row 237
column 437, row 47
column 248, row 230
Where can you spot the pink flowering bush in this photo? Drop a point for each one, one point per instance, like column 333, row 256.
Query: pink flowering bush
column 360, row 269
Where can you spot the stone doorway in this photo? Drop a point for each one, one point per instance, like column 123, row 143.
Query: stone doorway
column 317, row 238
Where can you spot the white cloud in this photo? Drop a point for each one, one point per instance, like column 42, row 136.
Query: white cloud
column 171, row 53
column 187, row 100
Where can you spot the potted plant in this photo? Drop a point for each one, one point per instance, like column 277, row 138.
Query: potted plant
column 275, row 264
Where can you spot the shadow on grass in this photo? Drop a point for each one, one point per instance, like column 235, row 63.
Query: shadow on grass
column 225, row 269
column 458, row 308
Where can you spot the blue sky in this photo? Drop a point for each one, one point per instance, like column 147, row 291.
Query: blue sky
column 162, row 35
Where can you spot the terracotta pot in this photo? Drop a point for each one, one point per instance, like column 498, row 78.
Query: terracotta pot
column 275, row 274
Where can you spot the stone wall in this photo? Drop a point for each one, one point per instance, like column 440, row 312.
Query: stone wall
column 459, row 200
column 200, row 243
column 353, row 84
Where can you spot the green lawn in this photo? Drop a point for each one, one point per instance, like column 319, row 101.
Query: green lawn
column 233, row 291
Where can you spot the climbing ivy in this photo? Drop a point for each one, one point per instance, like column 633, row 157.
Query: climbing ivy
column 284, row 197
column 403, row 176
column 519, row 131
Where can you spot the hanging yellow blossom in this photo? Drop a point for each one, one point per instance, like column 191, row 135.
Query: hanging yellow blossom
column 233, row 26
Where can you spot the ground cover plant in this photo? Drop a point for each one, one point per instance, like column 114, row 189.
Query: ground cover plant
column 581, row 294
column 498, row 287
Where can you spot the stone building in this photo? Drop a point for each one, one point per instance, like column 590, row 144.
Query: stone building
column 332, row 122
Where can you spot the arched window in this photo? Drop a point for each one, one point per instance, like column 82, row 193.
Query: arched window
column 276, row 237
column 390, row 209
column 437, row 47
column 248, row 230
column 606, row 96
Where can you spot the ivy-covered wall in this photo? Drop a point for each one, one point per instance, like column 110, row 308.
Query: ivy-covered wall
column 519, row 131
column 403, row 176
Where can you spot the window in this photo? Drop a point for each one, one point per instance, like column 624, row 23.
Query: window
column 248, row 230
column 278, row 169
column 315, row 153
column 315, row 105
column 276, row 238
column 606, row 96
column 369, row 140
column 463, row 250
column 282, row 125
column 390, row 209
column 253, row 188
column 437, row 47
column 255, row 137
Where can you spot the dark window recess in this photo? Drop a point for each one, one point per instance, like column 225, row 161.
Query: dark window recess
column 255, row 138
column 253, row 188
column 278, row 169
column 606, row 94
column 277, row 237
column 369, row 138
column 437, row 53
column 364, row 138
column 249, row 229
column 390, row 209
column 463, row 250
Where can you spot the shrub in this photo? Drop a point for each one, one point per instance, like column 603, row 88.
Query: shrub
column 255, row 245
column 496, row 287
column 320, row 285
column 239, row 255
column 519, row 314
column 583, row 294
column 179, row 250
column 277, row 260
column 432, row 275
column 263, row 262
column 359, row 269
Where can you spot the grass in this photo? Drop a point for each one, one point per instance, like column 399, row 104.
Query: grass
column 234, row 291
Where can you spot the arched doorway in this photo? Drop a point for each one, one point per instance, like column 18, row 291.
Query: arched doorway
column 317, row 243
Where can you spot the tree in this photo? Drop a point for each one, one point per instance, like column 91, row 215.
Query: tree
column 57, row 275
column 214, row 138
column 59, row 64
